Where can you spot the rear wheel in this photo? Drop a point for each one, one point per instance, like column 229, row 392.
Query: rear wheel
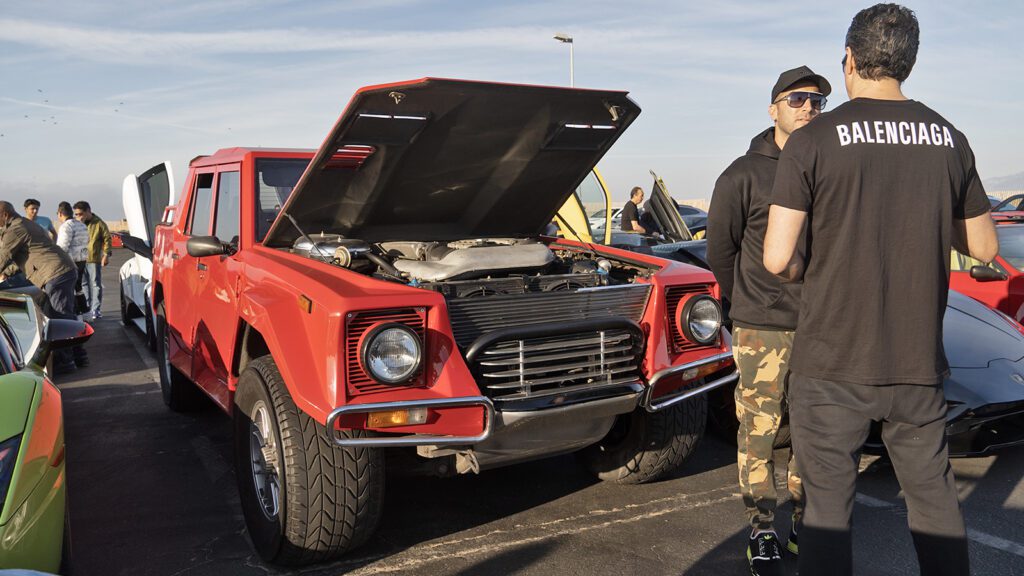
column 643, row 446
column 305, row 499
column 179, row 393
column 125, row 318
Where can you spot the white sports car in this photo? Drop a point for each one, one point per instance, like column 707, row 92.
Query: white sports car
column 144, row 198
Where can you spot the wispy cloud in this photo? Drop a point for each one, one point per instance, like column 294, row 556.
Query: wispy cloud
column 106, row 113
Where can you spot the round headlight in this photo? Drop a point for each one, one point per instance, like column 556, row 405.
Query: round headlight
column 700, row 319
column 391, row 353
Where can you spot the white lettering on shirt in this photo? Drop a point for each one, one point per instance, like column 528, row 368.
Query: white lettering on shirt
column 891, row 132
column 858, row 134
column 905, row 133
column 879, row 135
column 922, row 134
column 844, row 134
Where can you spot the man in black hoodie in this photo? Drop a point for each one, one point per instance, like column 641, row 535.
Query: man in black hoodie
column 763, row 309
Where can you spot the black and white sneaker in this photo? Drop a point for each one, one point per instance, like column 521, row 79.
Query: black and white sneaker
column 764, row 554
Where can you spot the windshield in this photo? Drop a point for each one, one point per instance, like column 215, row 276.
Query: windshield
column 276, row 177
column 1011, row 245
column 1012, row 204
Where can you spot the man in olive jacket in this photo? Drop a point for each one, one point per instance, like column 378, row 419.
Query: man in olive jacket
column 763, row 310
column 98, row 257
column 26, row 247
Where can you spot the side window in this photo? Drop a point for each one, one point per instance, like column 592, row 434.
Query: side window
column 591, row 195
column 228, row 209
column 200, row 225
column 275, row 179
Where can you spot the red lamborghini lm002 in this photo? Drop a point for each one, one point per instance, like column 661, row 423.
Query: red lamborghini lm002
column 394, row 290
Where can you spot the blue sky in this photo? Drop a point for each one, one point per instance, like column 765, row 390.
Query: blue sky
column 92, row 91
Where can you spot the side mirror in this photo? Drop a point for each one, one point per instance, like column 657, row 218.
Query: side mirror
column 60, row 333
column 986, row 274
column 199, row 246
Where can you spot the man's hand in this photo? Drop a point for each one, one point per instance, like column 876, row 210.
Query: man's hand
column 3, row 278
column 105, row 260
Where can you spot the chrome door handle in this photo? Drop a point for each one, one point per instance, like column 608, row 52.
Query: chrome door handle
column 200, row 266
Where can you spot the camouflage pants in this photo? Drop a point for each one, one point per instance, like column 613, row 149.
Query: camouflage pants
column 762, row 359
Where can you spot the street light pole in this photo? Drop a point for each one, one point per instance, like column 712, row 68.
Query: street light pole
column 566, row 39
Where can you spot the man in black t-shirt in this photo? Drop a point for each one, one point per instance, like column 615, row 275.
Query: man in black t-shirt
column 885, row 186
column 763, row 310
column 630, row 216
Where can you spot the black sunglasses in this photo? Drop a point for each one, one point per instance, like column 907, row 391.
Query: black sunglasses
column 797, row 99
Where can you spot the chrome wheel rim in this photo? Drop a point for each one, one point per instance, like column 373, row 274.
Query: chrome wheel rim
column 264, row 460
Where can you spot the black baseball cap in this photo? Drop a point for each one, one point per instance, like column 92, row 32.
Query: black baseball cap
column 803, row 73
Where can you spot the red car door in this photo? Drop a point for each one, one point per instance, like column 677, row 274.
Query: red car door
column 1006, row 295
column 182, row 288
column 216, row 299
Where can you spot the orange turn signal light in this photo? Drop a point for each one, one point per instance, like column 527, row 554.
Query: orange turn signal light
column 396, row 418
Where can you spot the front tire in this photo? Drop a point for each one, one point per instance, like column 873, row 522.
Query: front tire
column 644, row 446
column 305, row 499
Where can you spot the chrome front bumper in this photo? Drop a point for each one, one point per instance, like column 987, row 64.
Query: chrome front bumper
column 509, row 423
column 648, row 402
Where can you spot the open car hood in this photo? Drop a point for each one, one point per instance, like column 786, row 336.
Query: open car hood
column 440, row 160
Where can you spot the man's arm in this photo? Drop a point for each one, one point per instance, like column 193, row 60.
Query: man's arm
column 637, row 227
column 108, row 244
column 727, row 219
column 13, row 238
column 976, row 237
column 780, row 255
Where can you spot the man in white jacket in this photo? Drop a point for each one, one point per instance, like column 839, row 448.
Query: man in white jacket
column 73, row 238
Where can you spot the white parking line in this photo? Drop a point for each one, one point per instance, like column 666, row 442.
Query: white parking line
column 529, row 533
column 995, row 542
column 974, row 535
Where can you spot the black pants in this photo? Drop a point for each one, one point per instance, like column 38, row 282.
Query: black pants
column 60, row 304
column 830, row 422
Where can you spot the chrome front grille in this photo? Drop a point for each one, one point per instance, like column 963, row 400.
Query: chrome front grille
column 534, row 367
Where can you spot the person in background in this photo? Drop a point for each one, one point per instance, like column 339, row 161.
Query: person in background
column 73, row 238
column 26, row 247
column 630, row 217
column 763, row 310
column 100, row 245
column 32, row 213
column 868, row 347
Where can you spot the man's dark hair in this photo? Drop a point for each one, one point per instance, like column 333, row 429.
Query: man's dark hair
column 636, row 190
column 83, row 205
column 31, row 202
column 64, row 204
column 64, row 209
column 7, row 209
column 884, row 40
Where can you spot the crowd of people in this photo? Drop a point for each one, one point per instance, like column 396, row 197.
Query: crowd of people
column 65, row 263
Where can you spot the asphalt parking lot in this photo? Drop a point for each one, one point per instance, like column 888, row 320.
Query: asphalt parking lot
column 153, row 493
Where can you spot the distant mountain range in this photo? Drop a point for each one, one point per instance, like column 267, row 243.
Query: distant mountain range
column 1011, row 182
